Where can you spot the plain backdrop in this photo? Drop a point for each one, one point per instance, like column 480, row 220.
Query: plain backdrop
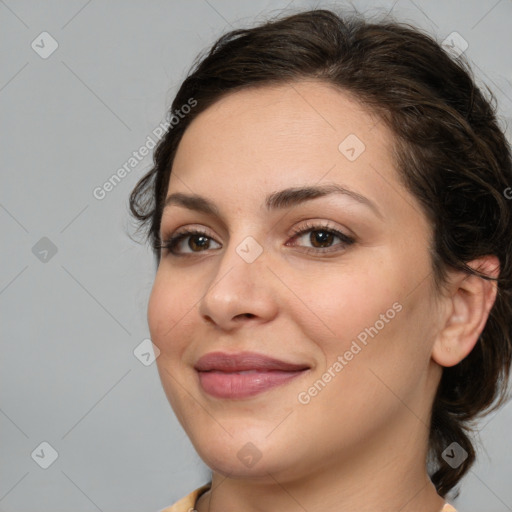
column 82, row 85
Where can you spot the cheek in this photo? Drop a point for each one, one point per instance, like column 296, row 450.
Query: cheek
column 335, row 306
column 378, row 359
column 368, row 316
column 170, row 309
column 161, row 313
column 169, row 313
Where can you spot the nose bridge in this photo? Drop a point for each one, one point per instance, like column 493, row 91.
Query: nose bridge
column 244, row 254
column 239, row 285
column 239, row 267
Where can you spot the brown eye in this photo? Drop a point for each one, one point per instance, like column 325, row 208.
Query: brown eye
column 198, row 242
column 321, row 238
column 189, row 242
column 318, row 239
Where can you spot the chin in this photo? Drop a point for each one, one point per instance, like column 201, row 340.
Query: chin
column 229, row 465
column 249, row 454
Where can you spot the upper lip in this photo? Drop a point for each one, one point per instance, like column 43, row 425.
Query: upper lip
column 244, row 361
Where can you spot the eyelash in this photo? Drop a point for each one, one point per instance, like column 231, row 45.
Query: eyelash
column 170, row 243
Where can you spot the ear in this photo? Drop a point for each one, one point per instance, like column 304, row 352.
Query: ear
column 468, row 303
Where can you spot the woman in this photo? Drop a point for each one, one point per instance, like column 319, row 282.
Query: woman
column 332, row 302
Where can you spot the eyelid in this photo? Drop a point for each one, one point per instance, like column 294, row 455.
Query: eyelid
column 188, row 229
column 318, row 225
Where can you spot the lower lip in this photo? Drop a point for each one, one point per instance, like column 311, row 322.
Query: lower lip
column 243, row 385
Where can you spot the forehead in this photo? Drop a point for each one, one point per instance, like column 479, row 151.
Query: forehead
column 273, row 137
column 301, row 114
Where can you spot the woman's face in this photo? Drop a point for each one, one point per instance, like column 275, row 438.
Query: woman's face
column 335, row 280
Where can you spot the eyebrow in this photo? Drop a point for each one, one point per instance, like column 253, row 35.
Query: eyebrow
column 282, row 199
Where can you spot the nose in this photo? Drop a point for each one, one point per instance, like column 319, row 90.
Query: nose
column 239, row 292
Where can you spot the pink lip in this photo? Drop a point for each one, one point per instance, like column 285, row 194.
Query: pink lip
column 223, row 375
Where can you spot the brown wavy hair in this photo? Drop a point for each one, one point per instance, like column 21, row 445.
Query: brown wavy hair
column 450, row 152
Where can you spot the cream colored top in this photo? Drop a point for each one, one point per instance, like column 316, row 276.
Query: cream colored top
column 188, row 503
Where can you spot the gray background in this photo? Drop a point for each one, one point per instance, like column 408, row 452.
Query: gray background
column 71, row 320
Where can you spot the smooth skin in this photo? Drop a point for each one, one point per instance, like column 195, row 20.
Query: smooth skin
column 361, row 441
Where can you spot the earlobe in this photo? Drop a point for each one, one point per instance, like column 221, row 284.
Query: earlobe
column 468, row 305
